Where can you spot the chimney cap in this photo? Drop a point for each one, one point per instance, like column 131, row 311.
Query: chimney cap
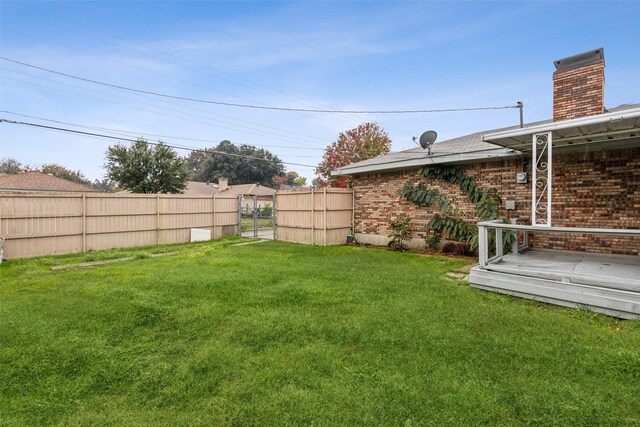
column 580, row 60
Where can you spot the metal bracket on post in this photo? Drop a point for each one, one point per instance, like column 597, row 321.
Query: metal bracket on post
column 542, row 179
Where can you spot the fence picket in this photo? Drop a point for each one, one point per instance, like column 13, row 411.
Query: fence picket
column 40, row 224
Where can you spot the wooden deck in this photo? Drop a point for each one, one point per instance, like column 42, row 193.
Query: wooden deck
column 608, row 284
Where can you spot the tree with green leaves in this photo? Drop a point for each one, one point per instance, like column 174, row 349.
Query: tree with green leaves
column 244, row 164
column 195, row 161
column 142, row 168
column 364, row 142
column 65, row 173
column 10, row 165
column 293, row 178
column 105, row 185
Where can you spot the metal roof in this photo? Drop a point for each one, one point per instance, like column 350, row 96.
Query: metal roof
column 616, row 129
column 465, row 149
column 491, row 145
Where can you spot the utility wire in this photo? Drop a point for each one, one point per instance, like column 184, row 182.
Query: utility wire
column 216, row 73
column 315, row 117
column 178, row 147
column 131, row 132
column 208, row 122
column 259, row 107
column 235, row 126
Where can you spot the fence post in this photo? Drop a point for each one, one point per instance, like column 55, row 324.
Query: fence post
column 213, row 213
column 255, row 217
column 157, row 219
column 313, row 217
column 84, row 222
column 240, row 215
column 353, row 212
column 273, row 213
column 499, row 247
column 324, row 203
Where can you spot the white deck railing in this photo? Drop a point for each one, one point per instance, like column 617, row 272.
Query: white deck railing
column 499, row 226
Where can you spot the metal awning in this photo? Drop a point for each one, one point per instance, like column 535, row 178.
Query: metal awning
column 609, row 130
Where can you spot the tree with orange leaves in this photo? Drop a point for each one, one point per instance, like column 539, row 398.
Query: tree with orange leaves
column 364, row 142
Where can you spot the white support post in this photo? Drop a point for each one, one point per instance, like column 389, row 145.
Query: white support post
column 499, row 247
column 482, row 246
column 542, row 179
column 549, row 178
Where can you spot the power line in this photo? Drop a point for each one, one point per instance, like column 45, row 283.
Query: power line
column 236, row 126
column 315, row 117
column 259, row 107
column 216, row 72
column 130, row 132
column 178, row 147
column 188, row 118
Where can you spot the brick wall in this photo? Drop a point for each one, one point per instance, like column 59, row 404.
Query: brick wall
column 578, row 92
column 598, row 190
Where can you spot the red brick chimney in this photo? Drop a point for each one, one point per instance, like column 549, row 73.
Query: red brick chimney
column 578, row 86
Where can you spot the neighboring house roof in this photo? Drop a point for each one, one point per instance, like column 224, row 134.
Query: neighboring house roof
column 37, row 181
column 198, row 188
column 248, row 190
column 287, row 187
column 465, row 149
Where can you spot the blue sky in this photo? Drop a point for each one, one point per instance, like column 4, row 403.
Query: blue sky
column 338, row 55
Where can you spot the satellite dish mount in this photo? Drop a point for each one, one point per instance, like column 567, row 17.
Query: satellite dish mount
column 427, row 139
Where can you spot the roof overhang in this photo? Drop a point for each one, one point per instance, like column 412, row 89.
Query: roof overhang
column 425, row 160
column 604, row 131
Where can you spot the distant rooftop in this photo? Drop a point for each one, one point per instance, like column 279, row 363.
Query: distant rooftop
column 248, row 190
column 200, row 188
column 38, row 181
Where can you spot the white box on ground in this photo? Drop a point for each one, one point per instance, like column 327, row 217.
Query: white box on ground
column 200, row 234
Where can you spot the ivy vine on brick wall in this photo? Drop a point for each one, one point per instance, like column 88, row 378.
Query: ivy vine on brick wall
column 449, row 221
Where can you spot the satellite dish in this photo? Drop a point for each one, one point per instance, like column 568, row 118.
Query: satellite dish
column 427, row 139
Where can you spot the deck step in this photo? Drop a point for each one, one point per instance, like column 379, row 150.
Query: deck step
column 606, row 300
column 625, row 284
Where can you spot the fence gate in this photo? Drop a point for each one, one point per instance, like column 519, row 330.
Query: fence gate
column 256, row 217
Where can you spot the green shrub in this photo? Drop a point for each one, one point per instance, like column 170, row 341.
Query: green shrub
column 400, row 232
column 266, row 210
column 432, row 242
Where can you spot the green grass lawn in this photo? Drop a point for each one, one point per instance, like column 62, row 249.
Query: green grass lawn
column 284, row 334
column 262, row 224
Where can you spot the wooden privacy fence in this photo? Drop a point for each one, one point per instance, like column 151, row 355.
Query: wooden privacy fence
column 38, row 224
column 315, row 217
